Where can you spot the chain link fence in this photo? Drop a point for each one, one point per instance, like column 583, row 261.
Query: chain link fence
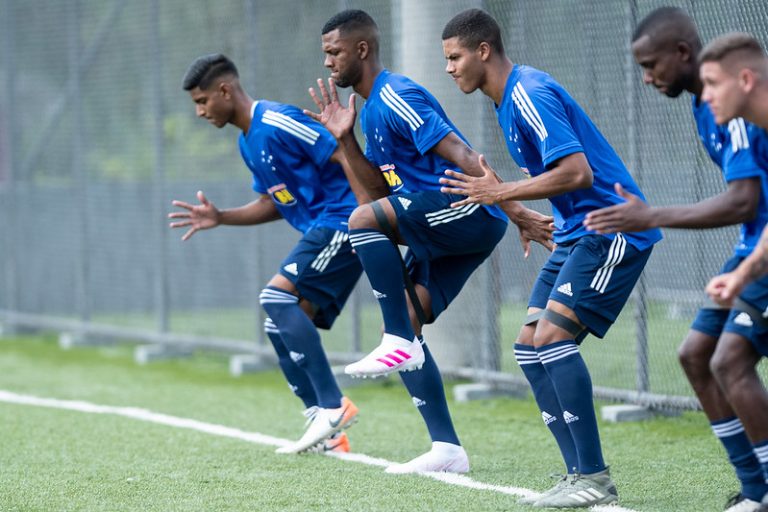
column 97, row 137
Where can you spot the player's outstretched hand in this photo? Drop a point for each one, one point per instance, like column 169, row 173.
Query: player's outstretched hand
column 633, row 215
column 534, row 227
column 724, row 288
column 339, row 120
column 202, row 216
column 478, row 189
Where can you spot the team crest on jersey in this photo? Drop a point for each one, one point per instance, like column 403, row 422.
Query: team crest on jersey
column 393, row 180
column 281, row 195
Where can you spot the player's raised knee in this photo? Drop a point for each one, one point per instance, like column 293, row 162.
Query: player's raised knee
column 362, row 218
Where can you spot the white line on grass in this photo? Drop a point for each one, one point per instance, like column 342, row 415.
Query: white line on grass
column 254, row 437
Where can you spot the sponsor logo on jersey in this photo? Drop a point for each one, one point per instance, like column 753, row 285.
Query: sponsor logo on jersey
column 281, row 195
column 393, row 180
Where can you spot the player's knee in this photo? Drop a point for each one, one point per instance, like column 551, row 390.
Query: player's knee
column 696, row 352
column 732, row 361
column 362, row 218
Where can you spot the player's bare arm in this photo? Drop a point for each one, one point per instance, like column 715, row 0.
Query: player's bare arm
column 366, row 181
column 205, row 215
column 533, row 226
column 736, row 205
column 572, row 172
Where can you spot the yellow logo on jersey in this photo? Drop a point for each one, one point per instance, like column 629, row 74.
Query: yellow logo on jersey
column 393, row 180
column 281, row 195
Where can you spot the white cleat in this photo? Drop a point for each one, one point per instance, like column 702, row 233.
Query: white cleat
column 324, row 423
column 443, row 457
column 394, row 354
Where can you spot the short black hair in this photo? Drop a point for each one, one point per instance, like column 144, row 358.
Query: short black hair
column 473, row 27
column 204, row 70
column 349, row 21
column 666, row 23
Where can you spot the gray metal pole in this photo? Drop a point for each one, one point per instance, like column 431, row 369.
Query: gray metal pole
column 79, row 173
column 8, row 189
column 256, row 269
column 632, row 83
column 158, row 186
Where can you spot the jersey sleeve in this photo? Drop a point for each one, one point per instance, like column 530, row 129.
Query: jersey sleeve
column 738, row 158
column 542, row 117
column 411, row 115
column 297, row 134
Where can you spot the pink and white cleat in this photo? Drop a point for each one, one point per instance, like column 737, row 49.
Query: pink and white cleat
column 394, row 354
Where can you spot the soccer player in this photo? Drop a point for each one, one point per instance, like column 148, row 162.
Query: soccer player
column 297, row 170
column 734, row 71
column 585, row 283
column 666, row 45
column 409, row 141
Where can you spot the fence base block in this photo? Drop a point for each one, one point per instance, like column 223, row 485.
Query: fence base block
column 625, row 412
column 144, row 354
column 484, row 391
column 68, row 340
column 240, row 364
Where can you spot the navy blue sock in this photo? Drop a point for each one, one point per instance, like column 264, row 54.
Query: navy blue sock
column 761, row 451
column 427, row 393
column 546, row 398
column 301, row 338
column 296, row 377
column 730, row 432
column 381, row 262
column 573, row 386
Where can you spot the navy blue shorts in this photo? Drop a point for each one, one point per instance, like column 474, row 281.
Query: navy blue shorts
column 713, row 320
column 593, row 276
column 445, row 245
column 324, row 270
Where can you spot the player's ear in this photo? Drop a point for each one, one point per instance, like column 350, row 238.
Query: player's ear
column 484, row 50
column 362, row 49
column 684, row 49
column 747, row 79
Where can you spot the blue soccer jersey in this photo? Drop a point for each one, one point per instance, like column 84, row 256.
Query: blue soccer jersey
column 288, row 154
column 542, row 123
column 402, row 122
column 731, row 148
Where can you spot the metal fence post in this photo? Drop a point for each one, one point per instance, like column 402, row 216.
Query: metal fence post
column 158, row 185
column 632, row 84
column 79, row 173
column 8, row 186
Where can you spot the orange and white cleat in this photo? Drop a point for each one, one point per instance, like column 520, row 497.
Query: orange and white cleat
column 322, row 425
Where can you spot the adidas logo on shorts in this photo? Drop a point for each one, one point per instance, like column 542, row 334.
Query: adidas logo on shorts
column 565, row 289
column 743, row 319
column 548, row 418
column 569, row 418
column 292, row 268
column 405, row 202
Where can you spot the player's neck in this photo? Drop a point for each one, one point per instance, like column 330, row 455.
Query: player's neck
column 242, row 117
column 496, row 77
column 370, row 73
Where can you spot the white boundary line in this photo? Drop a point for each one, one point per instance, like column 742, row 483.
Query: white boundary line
column 256, row 438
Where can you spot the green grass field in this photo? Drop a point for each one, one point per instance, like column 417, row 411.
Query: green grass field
column 61, row 460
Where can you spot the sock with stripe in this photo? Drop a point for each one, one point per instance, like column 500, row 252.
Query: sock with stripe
column 428, row 395
column 302, row 340
column 381, row 262
column 731, row 433
column 573, row 385
column 761, row 451
column 546, row 399
column 296, row 377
